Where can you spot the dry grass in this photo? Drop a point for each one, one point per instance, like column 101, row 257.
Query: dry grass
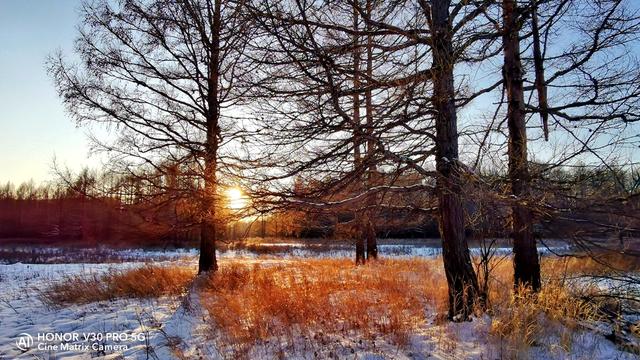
column 145, row 282
column 520, row 319
column 283, row 305
column 602, row 263
column 323, row 299
column 556, row 270
column 525, row 319
column 319, row 299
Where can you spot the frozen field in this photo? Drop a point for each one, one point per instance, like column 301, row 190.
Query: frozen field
column 22, row 312
column 284, row 249
column 162, row 328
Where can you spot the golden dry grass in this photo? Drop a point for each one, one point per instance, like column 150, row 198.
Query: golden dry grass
column 252, row 304
column 524, row 319
column 520, row 319
column 555, row 270
column 601, row 263
column 145, row 282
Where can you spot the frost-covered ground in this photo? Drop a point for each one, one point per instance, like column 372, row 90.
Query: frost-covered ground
column 169, row 328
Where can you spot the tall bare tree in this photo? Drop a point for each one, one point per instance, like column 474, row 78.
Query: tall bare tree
column 410, row 97
column 164, row 76
column 463, row 285
column 360, row 221
column 371, row 174
column 525, row 252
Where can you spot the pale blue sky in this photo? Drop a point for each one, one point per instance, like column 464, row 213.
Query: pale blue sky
column 33, row 125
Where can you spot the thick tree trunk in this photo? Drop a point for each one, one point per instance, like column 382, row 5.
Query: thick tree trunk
column 526, row 264
column 360, row 218
column 208, row 235
column 208, row 230
column 372, row 243
column 461, row 278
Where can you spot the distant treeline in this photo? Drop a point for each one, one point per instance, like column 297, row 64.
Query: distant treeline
column 89, row 209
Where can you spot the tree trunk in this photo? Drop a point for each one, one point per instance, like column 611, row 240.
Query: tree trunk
column 525, row 259
column 359, row 218
column 208, row 260
column 461, row 278
column 372, row 243
column 360, row 255
column 208, row 231
column 370, row 236
column 538, row 61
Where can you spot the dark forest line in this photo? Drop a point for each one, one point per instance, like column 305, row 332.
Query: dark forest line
column 89, row 211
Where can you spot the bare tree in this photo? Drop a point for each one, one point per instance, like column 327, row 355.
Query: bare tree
column 165, row 77
column 525, row 252
column 463, row 285
column 411, row 112
column 360, row 222
column 371, row 174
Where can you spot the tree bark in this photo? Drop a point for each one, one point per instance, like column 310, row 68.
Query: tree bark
column 370, row 236
column 360, row 219
column 372, row 243
column 525, row 259
column 208, row 230
column 461, row 278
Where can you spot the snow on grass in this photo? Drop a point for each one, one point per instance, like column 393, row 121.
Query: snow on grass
column 297, row 311
column 22, row 311
column 184, row 334
column 181, row 327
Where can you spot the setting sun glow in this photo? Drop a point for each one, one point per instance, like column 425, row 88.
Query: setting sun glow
column 236, row 199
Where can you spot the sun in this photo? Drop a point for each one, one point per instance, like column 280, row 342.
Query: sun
column 236, row 199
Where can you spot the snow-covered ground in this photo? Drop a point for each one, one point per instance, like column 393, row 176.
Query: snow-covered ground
column 171, row 328
column 398, row 248
column 134, row 321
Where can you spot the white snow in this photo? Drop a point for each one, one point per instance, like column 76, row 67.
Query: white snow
column 21, row 311
column 172, row 327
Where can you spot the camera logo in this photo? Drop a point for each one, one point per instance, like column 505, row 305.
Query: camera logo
column 24, row 342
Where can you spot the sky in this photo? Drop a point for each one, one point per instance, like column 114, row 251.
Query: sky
column 34, row 127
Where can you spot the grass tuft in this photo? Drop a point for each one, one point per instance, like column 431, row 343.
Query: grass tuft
column 279, row 307
column 527, row 319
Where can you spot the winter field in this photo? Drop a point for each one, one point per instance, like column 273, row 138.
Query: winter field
column 293, row 302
